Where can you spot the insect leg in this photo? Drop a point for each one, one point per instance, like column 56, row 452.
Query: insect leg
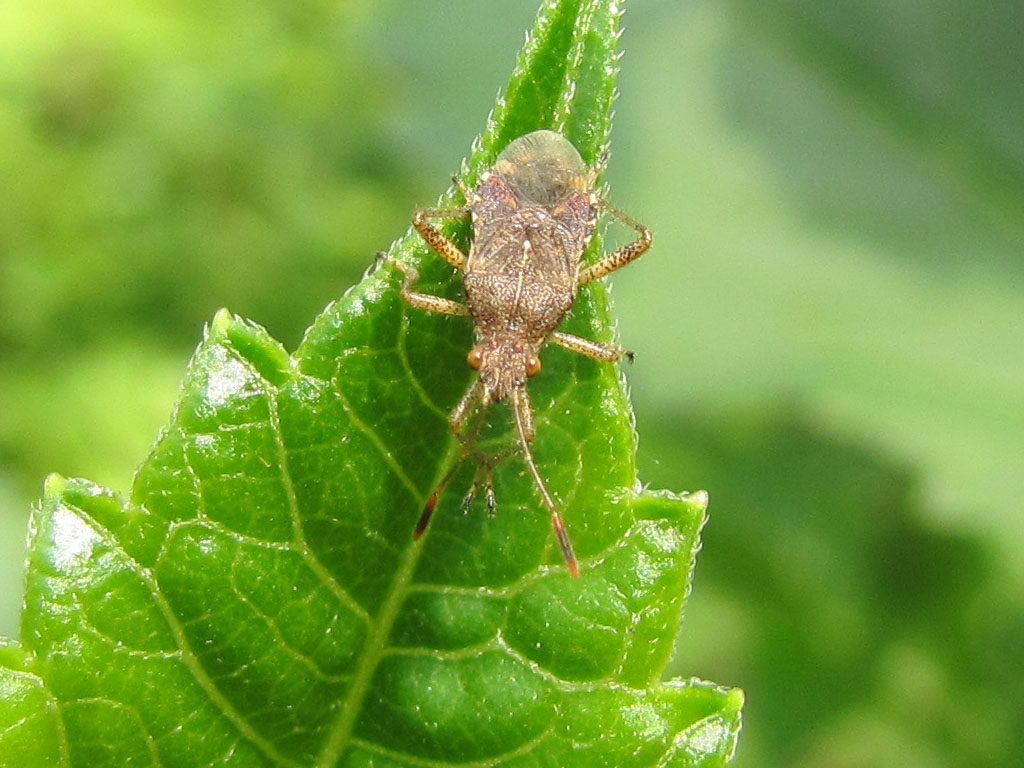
column 467, row 193
column 458, row 415
column 485, row 477
column 623, row 255
column 524, row 424
column 435, row 238
column 425, row 301
column 590, row 348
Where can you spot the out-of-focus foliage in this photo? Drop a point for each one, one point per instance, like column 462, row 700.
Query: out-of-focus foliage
column 856, row 626
column 159, row 164
column 837, row 193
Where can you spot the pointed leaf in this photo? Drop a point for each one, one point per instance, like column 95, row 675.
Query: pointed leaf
column 259, row 600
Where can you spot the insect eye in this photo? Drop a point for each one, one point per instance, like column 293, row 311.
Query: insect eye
column 532, row 365
column 475, row 358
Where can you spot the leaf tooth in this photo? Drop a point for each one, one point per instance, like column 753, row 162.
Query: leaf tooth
column 54, row 485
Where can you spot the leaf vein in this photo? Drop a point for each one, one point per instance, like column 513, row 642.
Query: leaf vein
column 425, row 762
column 188, row 656
column 403, row 356
column 395, row 467
column 299, row 536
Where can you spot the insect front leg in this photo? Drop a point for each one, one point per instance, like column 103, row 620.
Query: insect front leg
column 425, row 301
column 485, row 477
column 485, row 467
column 594, row 349
column 435, row 238
column 462, row 409
column 623, row 255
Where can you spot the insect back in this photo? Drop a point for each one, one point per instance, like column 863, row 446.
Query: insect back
column 533, row 214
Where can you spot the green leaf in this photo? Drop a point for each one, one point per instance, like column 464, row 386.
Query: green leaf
column 260, row 600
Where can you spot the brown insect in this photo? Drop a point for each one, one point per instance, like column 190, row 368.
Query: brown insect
column 533, row 214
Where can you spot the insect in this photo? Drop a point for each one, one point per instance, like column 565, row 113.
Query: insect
column 533, row 213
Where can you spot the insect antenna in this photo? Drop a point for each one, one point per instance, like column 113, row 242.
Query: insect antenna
column 467, row 441
column 428, row 508
column 524, row 425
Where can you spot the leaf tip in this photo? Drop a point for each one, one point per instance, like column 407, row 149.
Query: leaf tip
column 54, row 485
column 222, row 321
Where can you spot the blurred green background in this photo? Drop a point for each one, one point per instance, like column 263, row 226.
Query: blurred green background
column 829, row 330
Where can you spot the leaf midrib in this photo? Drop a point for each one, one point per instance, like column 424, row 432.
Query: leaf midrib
column 375, row 645
column 380, row 628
